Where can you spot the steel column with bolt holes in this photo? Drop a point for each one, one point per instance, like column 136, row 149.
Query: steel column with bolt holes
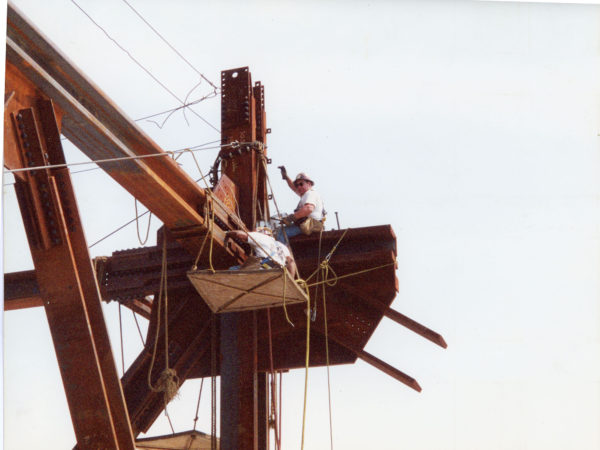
column 67, row 282
column 239, row 394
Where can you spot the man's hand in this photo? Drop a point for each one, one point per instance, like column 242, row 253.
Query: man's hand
column 288, row 220
column 283, row 172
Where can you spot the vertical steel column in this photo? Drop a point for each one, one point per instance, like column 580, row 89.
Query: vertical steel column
column 261, row 135
column 263, row 411
column 67, row 284
column 238, row 382
column 238, row 124
column 239, row 394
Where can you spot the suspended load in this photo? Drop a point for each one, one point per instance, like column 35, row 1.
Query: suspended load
column 244, row 290
column 187, row 440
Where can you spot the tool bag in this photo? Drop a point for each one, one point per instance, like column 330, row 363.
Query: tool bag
column 308, row 225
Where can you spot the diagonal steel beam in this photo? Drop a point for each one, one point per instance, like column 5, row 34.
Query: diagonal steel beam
column 101, row 130
column 353, row 288
column 372, row 360
column 68, row 286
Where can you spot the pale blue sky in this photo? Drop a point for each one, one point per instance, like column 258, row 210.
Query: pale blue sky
column 470, row 127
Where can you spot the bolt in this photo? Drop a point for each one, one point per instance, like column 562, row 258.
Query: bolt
column 19, row 116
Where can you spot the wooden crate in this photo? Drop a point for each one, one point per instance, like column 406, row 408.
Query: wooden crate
column 244, row 290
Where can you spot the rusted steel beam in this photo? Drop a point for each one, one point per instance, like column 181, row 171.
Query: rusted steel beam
column 415, row 326
column 238, row 123
column 67, row 285
column 370, row 297
column 188, row 331
column 356, row 241
column 386, row 368
column 99, row 129
column 21, row 290
column 261, row 135
column 135, row 273
column 262, row 419
column 239, row 397
column 373, row 360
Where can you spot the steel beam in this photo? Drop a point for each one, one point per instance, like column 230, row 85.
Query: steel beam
column 370, row 298
column 21, row 290
column 101, row 130
column 239, row 402
column 67, row 284
column 372, row 360
column 239, row 397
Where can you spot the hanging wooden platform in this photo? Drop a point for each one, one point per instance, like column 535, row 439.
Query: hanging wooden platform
column 187, row 440
column 244, row 290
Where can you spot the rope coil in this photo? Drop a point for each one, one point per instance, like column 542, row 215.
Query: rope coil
column 168, row 381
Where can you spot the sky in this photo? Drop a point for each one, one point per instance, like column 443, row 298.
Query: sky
column 471, row 127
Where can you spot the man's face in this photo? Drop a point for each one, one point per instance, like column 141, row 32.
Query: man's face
column 302, row 186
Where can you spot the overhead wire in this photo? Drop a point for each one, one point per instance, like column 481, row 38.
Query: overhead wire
column 128, row 223
column 127, row 158
column 138, row 327
column 172, row 110
column 194, row 148
column 171, row 46
column 198, row 404
column 141, row 66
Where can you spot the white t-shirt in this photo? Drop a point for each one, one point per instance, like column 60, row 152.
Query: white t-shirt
column 266, row 247
column 311, row 196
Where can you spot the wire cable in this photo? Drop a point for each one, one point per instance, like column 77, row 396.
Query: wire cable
column 170, row 46
column 141, row 66
column 126, row 158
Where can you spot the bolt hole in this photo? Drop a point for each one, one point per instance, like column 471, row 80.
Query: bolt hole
column 234, row 75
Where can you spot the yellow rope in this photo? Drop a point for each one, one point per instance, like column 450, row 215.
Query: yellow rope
column 168, row 382
column 330, row 254
column 210, row 231
column 137, row 225
column 305, row 286
column 325, row 268
column 339, row 277
column 285, row 277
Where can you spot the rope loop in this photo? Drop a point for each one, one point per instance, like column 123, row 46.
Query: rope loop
column 285, row 278
column 325, row 269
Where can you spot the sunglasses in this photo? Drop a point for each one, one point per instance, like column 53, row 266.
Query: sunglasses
column 299, row 183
